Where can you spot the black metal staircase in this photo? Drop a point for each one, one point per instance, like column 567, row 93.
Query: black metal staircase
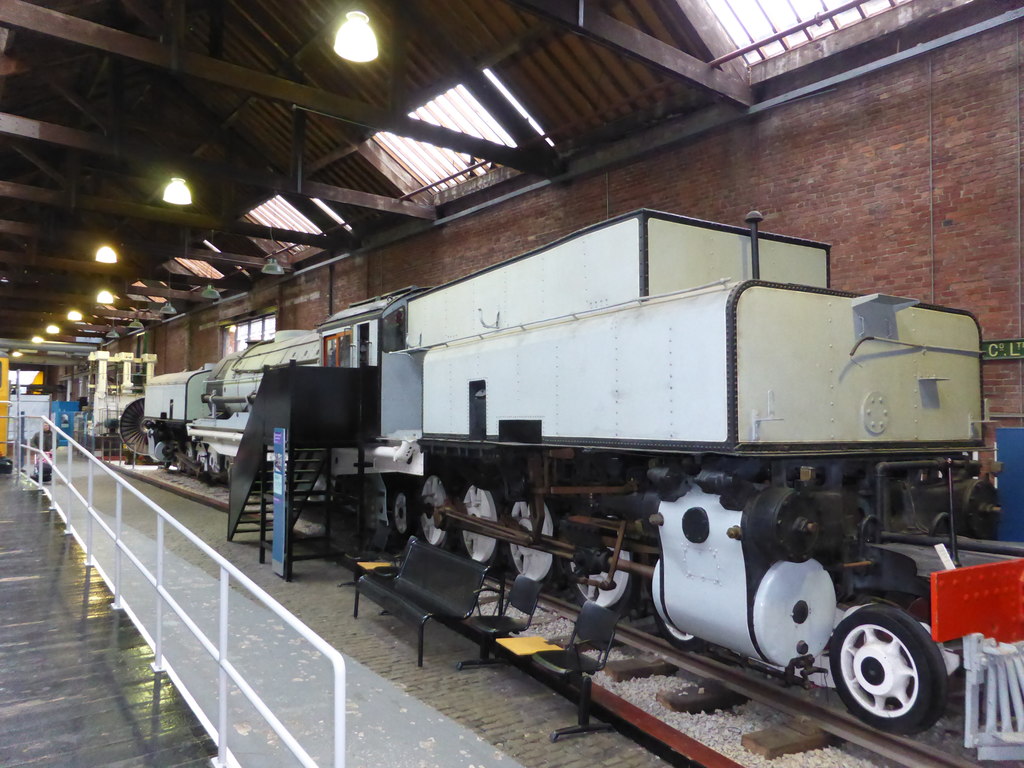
column 321, row 409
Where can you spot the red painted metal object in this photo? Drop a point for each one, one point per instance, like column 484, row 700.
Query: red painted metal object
column 979, row 598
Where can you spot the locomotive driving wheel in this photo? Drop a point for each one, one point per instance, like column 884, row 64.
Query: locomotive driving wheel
column 531, row 563
column 433, row 495
column 480, row 503
column 617, row 597
column 887, row 670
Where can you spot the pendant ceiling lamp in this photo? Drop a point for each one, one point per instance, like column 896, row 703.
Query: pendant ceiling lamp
column 106, row 255
column 177, row 192
column 168, row 309
column 52, row 329
column 104, row 297
column 75, row 316
column 355, row 40
column 272, row 267
column 136, row 324
column 112, row 333
column 209, row 292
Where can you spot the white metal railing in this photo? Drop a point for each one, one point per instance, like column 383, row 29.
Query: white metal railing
column 322, row 739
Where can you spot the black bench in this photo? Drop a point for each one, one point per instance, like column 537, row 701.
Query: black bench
column 430, row 584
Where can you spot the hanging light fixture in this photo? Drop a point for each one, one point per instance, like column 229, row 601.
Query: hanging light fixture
column 209, row 292
column 355, row 40
column 16, row 353
column 52, row 329
column 106, row 255
column 136, row 324
column 112, row 333
column 37, row 339
column 104, row 297
column 168, row 309
column 75, row 316
column 272, row 267
column 177, row 192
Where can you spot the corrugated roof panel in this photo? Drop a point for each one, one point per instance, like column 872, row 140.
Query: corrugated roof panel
column 748, row 21
column 278, row 212
column 442, row 168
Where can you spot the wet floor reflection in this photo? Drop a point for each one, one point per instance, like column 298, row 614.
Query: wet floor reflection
column 76, row 687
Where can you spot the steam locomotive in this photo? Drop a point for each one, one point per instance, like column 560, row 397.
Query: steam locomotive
column 678, row 414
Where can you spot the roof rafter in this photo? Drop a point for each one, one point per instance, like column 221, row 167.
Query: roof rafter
column 60, row 135
column 153, row 213
column 23, row 15
column 609, row 31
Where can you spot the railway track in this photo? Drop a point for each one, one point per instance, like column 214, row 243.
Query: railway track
column 899, row 749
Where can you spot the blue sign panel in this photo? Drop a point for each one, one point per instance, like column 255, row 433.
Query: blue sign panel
column 279, row 549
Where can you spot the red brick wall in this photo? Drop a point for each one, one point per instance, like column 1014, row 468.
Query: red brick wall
column 912, row 173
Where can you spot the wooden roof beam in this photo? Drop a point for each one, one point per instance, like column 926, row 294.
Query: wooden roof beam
column 24, row 15
column 154, row 213
column 51, row 133
column 606, row 30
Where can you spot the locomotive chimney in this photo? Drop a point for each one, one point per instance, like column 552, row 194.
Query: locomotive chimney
column 753, row 219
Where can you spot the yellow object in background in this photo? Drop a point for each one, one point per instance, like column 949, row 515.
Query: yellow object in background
column 5, row 395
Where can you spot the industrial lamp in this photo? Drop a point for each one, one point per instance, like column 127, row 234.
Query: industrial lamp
column 52, row 329
column 16, row 353
column 136, row 324
column 112, row 333
column 168, row 309
column 104, row 297
column 177, row 192
column 272, row 267
column 106, row 255
column 75, row 316
column 37, row 339
column 209, row 292
column 355, row 40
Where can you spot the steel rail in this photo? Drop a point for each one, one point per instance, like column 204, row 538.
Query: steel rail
column 900, row 749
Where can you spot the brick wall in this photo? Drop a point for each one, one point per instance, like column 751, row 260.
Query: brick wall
column 912, row 173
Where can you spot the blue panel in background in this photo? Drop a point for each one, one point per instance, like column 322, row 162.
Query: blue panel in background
column 1010, row 451
column 63, row 414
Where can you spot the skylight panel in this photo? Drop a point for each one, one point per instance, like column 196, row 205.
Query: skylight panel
column 437, row 167
column 278, row 212
column 748, row 21
column 200, row 268
column 516, row 105
column 331, row 212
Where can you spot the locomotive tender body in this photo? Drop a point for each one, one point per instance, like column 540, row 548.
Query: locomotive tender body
column 743, row 367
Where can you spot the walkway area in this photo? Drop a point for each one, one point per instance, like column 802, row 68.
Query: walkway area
column 400, row 715
column 76, row 688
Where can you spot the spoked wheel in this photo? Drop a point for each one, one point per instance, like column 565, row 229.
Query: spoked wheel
column 433, row 495
column 887, row 670
column 617, row 597
column 398, row 512
column 480, row 503
column 531, row 562
column 133, row 434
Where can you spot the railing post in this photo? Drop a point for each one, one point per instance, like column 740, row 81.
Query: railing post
column 158, row 639
column 118, row 502
column 88, row 519
column 222, row 672
column 19, row 439
column 68, row 526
